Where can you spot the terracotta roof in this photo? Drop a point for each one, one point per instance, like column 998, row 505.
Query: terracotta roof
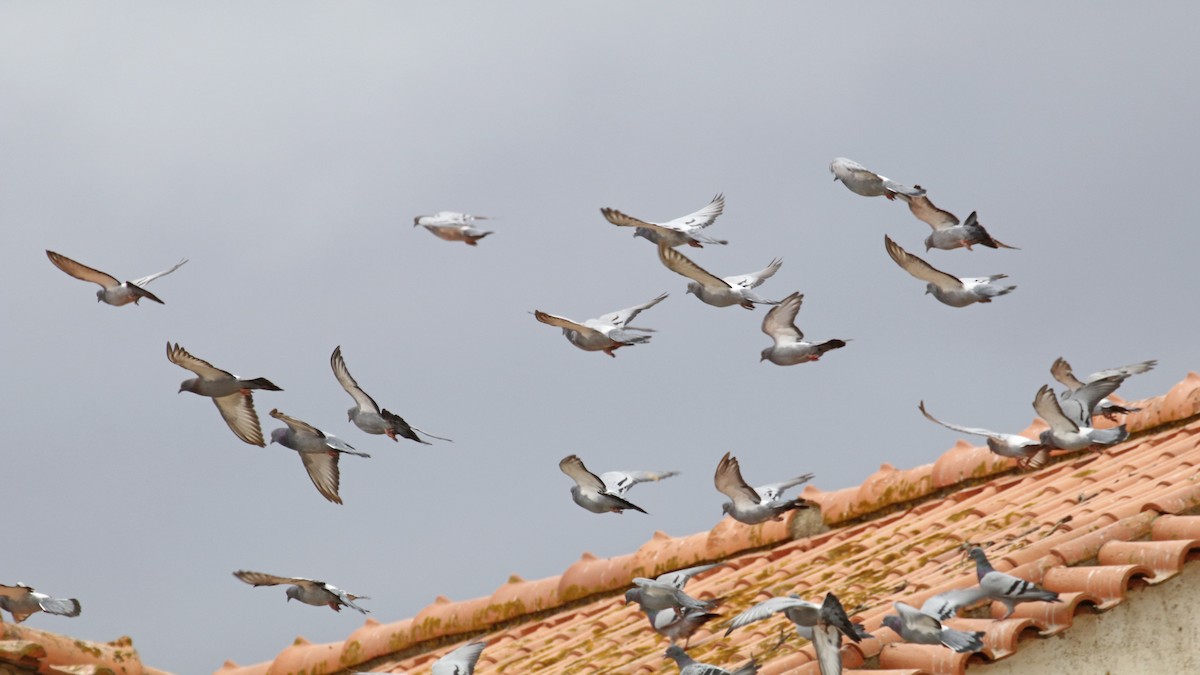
column 31, row 650
column 1089, row 526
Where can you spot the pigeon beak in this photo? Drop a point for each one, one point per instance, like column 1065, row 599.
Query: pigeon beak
column 761, row 359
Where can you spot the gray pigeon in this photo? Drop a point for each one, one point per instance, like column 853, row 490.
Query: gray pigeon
column 803, row 614
column 367, row 415
column 607, row 333
column 689, row 666
column 453, row 226
column 861, row 181
column 1030, row 454
column 917, row 627
column 461, row 661
column 832, row 623
column 111, row 291
column 318, row 452
column 1067, row 433
column 308, row 591
column 654, row 596
column 945, row 605
column 671, row 623
column 752, row 505
column 605, row 493
column 790, row 348
column 682, row 230
column 715, row 291
column 1061, row 370
column 1005, row 588
column 24, row 602
column 230, row 393
column 947, row 288
column 948, row 234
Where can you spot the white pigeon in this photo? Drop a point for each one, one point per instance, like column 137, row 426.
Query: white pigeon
column 111, row 291
column 24, row 602
column 308, row 591
column 318, row 451
column 754, row 505
column 607, row 333
column 862, row 181
column 682, row 230
column 947, row 288
column 790, row 348
column 1067, row 433
column 605, row 493
column 453, row 226
column 735, row 290
column 1061, row 371
column 230, row 393
column 948, row 233
column 1030, row 454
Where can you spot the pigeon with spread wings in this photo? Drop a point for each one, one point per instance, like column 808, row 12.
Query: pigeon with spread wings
column 1067, row 433
column 947, row 288
column 318, row 451
column 754, row 505
column 1030, row 454
column 24, row 602
column 948, row 233
column 917, row 627
column 607, row 333
column 453, row 226
column 366, row 414
column 230, row 393
column 1061, row 371
column 715, row 291
column 681, row 230
column 112, row 291
column 605, row 493
column 308, row 591
column 790, row 348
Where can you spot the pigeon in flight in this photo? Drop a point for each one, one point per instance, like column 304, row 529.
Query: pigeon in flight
column 790, row 348
column 655, row 596
column 453, row 226
column 752, row 505
column 1030, row 454
column 682, row 230
column 111, row 291
column 1005, row 588
column 606, row 334
column 917, row 627
column 606, row 492
column 948, row 233
column 1068, row 433
column 24, row 602
column 802, row 613
column 230, row 393
column 689, row 666
column 671, row 623
column 318, row 451
column 366, row 414
column 308, row 591
column 461, row 661
column 861, row 181
column 945, row 605
column 832, row 623
column 947, row 288
column 735, row 290
column 1061, row 370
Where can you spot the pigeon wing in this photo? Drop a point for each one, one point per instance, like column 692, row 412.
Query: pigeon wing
column 925, row 211
column 322, row 468
column 299, row 426
column 921, row 269
column 766, row 608
column 946, row 605
column 679, row 578
column 1061, row 370
column 1132, row 369
column 680, row 264
column 974, row 431
column 729, row 482
column 342, row 373
column 180, row 357
column 261, row 579
column 151, row 277
column 461, row 661
column 754, row 279
column 624, row 316
column 81, row 271
column 1045, row 404
column 237, row 409
column 780, row 321
column 573, row 467
column 619, row 482
column 702, row 218
column 560, row 322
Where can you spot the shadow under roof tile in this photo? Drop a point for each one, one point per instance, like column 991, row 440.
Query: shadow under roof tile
column 927, row 658
column 1107, row 583
column 1164, row 558
column 1168, row 527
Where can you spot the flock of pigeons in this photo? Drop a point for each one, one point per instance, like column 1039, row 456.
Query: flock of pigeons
column 670, row 611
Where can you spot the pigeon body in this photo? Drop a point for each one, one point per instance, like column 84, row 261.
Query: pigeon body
column 453, row 226
column 947, row 288
column 1005, row 588
column 689, row 666
column 917, row 627
column 366, row 414
column 673, row 623
column 712, row 290
column 112, row 291
column 461, row 661
column 607, row 333
column 948, row 233
column 1066, row 432
column 23, row 602
column 862, row 181
column 832, row 624
column 1061, row 370
column 790, row 348
column 318, row 451
column 681, row 230
column 754, row 505
column 605, row 493
column 308, row 591
column 654, row 596
column 230, row 393
column 1028, row 452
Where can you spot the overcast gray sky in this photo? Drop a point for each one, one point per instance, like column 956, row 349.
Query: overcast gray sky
column 285, row 147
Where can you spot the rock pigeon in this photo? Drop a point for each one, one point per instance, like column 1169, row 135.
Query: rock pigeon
column 1061, row 370
column 22, row 601
column 947, row 288
column 230, row 393
column 682, row 230
column 948, row 234
column 945, row 605
column 453, row 226
column 675, row 624
column 606, row 334
column 606, row 492
column 803, row 614
column 859, row 180
column 1067, row 433
column 655, row 596
column 752, row 505
column 735, row 290
column 790, row 348
column 1030, row 454
column 689, row 666
column 308, row 591
column 318, row 451
column 1005, row 588
column 367, row 415
column 111, row 291
column 917, row 627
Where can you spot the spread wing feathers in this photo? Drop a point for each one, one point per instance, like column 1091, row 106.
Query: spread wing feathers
column 1132, row 369
column 729, row 482
column 755, row 279
column 946, row 605
column 925, row 211
column 625, row 220
column 237, row 410
column 827, row 635
column 180, row 357
column 560, row 322
column 974, row 431
column 1045, row 404
column 1090, row 394
column 921, row 269
column 780, row 322
column 769, row 607
column 60, row 606
column 261, row 579
column 918, row 619
column 624, row 316
column 299, row 426
column 573, row 467
column 772, row 491
column 679, row 578
column 701, row 218
column 680, row 264
column 619, row 482
column 81, row 271
column 461, row 661
column 1061, row 370
column 151, row 277
column 322, row 468
column 342, row 373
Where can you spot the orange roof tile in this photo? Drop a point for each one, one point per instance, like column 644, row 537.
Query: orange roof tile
column 36, row 651
column 1090, row 526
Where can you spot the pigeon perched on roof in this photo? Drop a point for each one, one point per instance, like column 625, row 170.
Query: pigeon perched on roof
column 607, row 333
column 112, row 291
column 453, row 226
column 681, row 230
column 230, row 393
column 308, row 591
column 790, row 348
column 735, row 290
column 1030, row 454
column 917, row 627
column 606, row 492
column 862, row 181
column 1005, row 588
column 947, row 288
column 754, row 505
column 1061, row 370
column 318, row 451
column 23, row 602
column 689, row 666
column 1068, row 433
column 367, row 414
column 675, row 624
column 948, row 233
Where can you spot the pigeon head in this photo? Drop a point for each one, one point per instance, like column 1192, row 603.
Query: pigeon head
column 189, row 385
column 766, row 354
column 633, row 595
column 727, row 507
column 278, row 435
column 892, row 621
column 292, row 591
column 417, row 220
column 350, row 414
column 676, row 652
column 982, row 566
column 928, row 243
column 928, row 289
column 100, row 295
column 693, row 288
